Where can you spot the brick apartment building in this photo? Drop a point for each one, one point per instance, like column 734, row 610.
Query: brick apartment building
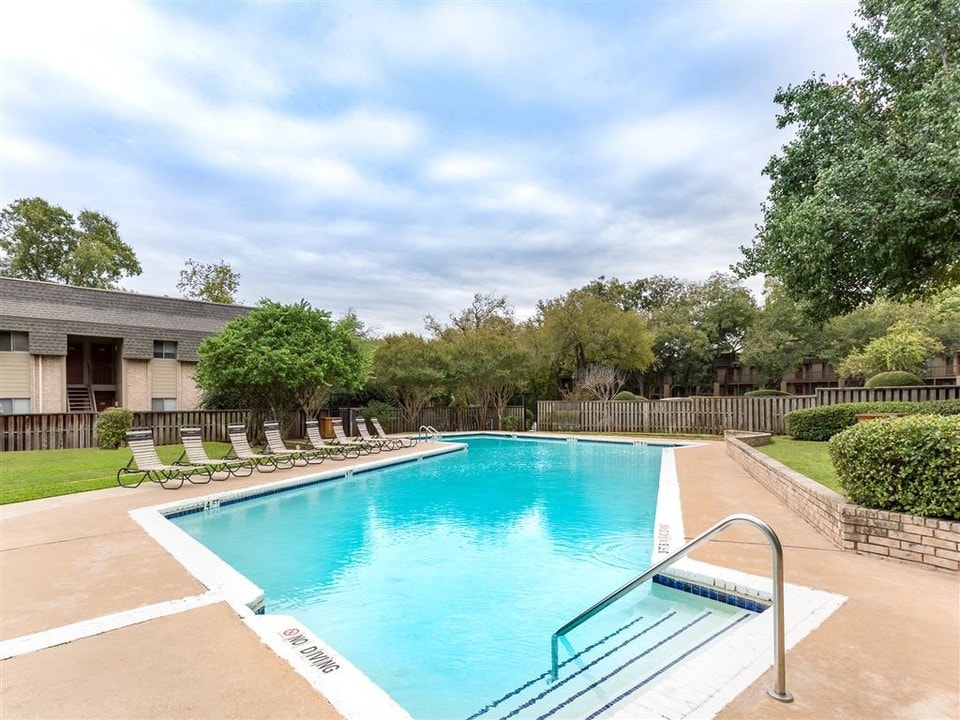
column 73, row 349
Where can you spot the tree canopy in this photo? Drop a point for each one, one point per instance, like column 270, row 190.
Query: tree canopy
column 283, row 357
column 580, row 329
column 411, row 371
column 213, row 282
column 40, row 241
column 865, row 200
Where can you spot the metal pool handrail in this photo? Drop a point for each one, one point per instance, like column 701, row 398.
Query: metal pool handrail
column 429, row 431
column 777, row 691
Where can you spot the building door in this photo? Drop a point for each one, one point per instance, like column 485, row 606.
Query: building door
column 75, row 363
column 102, row 364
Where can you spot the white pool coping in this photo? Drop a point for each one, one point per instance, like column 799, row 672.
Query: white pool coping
column 698, row 688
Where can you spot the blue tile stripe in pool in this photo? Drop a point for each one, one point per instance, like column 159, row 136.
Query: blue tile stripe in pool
column 745, row 603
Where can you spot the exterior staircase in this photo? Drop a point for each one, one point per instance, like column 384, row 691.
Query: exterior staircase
column 80, row 399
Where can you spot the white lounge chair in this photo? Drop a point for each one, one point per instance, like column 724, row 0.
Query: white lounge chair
column 195, row 454
column 147, row 465
column 334, row 451
column 241, row 449
column 276, row 446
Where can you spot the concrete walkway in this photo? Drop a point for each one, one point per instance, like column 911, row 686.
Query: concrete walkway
column 892, row 651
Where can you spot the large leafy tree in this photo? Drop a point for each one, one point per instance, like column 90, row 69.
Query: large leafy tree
column 904, row 347
column 411, row 371
column 580, row 329
column 284, row 357
column 40, row 241
column 213, row 282
column 489, row 365
column 865, row 200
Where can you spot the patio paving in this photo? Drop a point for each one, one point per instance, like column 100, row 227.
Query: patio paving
column 891, row 651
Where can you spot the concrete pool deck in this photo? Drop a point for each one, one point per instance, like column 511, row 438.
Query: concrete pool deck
column 892, row 650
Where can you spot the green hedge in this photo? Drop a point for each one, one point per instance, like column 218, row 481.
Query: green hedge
column 909, row 464
column 112, row 426
column 767, row 393
column 627, row 396
column 894, row 378
column 822, row 423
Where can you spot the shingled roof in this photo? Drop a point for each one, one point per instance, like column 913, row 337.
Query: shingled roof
column 50, row 312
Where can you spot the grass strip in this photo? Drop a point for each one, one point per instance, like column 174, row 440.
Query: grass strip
column 33, row 474
column 807, row 457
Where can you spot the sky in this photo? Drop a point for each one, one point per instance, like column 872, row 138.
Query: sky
column 394, row 159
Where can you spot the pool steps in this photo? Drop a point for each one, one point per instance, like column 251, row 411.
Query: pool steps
column 602, row 675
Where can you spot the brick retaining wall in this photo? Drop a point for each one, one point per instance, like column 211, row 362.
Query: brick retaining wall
column 926, row 541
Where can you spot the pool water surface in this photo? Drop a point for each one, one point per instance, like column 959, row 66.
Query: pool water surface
column 442, row 579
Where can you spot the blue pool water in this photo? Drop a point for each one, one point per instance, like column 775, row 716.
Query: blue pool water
column 443, row 579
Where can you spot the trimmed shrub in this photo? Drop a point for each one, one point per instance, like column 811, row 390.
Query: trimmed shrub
column 767, row 393
column 893, row 378
column 822, row 423
column 627, row 396
column 509, row 422
column 909, row 464
column 112, row 426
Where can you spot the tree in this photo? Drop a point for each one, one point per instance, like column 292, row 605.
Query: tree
column 780, row 337
column 903, row 348
column 865, row 200
column 40, row 241
column 213, row 282
column 694, row 323
column 283, row 357
column 411, row 371
column 481, row 310
column 579, row 329
column 488, row 366
column 604, row 381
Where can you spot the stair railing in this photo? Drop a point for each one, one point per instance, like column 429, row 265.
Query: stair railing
column 777, row 691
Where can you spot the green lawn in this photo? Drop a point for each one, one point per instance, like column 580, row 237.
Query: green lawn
column 45, row 473
column 807, row 458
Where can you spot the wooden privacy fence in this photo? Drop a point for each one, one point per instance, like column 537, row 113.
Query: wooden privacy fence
column 50, row 431
column 455, row 419
column 919, row 393
column 695, row 415
column 166, row 425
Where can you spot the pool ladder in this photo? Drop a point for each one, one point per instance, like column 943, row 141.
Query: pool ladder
column 428, row 432
column 777, row 691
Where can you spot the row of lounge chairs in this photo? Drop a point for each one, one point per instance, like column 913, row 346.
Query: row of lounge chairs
column 195, row 466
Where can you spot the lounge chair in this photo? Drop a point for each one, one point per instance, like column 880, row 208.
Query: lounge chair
column 276, row 446
column 334, row 451
column 341, row 438
column 195, row 454
column 398, row 441
column 241, row 450
column 379, row 443
column 147, row 465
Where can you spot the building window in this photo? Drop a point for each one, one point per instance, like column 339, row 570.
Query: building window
column 14, row 406
column 164, row 404
column 164, row 349
column 11, row 341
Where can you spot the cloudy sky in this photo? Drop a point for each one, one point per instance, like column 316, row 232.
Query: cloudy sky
column 395, row 159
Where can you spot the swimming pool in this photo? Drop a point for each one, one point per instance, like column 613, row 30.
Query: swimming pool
column 443, row 579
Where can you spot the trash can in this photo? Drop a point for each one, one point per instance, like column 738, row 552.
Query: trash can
column 326, row 427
